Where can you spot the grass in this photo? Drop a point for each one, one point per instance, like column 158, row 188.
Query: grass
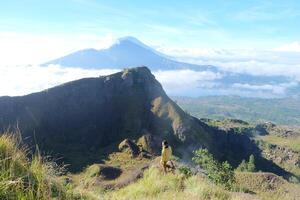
column 156, row 185
column 273, row 145
column 95, row 180
column 24, row 179
column 124, row 160
column 268, row 186
column 292, row 143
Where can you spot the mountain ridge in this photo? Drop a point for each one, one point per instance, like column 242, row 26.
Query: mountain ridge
column 93, row 113
column 83, row 121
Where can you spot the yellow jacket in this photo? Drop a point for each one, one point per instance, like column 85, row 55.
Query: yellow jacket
column 166, row 154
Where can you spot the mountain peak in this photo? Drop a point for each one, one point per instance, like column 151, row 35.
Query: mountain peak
column 131, row 40
column 139, row 70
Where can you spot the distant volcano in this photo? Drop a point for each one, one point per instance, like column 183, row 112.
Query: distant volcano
column 126, row 52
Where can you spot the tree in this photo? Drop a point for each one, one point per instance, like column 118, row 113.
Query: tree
column 247, row 166
column 242, row 167
column 219, row 173
column 251, row 164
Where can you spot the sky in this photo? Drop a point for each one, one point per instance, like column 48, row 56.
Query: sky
column 257, row 37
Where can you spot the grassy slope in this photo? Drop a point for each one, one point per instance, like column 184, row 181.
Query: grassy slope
column 93, row 182
column 156, row 185
column 281, row 111
column 24, row 179
column 279, row 149
column 292, row 143
column 268, row 185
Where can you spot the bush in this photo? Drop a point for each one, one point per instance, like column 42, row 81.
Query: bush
column 243, row 166
column 251, row 164
column 219, row 173
column 185, row 170
column 247, row 166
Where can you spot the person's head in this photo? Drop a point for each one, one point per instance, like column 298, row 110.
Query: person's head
column 165, row 143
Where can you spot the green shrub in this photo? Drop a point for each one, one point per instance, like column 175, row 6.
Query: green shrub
column 247, row 166
column 185, row 170
column 243, row 166
column 219, row 173
column 251, row 164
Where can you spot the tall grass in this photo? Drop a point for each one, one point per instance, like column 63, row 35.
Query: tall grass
column 156, row 185
column 26, row 179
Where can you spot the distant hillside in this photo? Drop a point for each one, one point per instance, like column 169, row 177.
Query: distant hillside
column 285, row 111
column 126, row 52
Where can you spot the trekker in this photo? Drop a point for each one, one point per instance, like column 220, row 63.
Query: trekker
column 166, row 155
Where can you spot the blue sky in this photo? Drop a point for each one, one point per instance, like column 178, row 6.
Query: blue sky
column 207, row 24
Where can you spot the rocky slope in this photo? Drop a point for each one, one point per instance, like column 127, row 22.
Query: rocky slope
column 90, row 114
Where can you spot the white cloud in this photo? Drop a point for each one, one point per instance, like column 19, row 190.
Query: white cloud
column 185, row 82
column 278, row 89
column 21, row 80
column 24, row 48
column 164, row 29
column 249, row 61
column 291, row 47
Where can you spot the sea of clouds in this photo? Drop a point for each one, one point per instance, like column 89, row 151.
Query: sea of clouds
column 22, row 80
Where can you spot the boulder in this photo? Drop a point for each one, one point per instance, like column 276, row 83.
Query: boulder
column 149, row 144
column 129, row 147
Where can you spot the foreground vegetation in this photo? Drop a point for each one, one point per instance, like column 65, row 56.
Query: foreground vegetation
column 251, row 186
column 24, row 179
column 156, row 185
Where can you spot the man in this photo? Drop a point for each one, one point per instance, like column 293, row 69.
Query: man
column 166, row 155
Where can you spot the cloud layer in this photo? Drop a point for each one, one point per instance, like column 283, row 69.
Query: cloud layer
column 282, row 61
column 24, row 48
column 22, row 80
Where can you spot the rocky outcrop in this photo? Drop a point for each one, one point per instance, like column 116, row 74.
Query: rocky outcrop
column 130, row 147
column 85, row 117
